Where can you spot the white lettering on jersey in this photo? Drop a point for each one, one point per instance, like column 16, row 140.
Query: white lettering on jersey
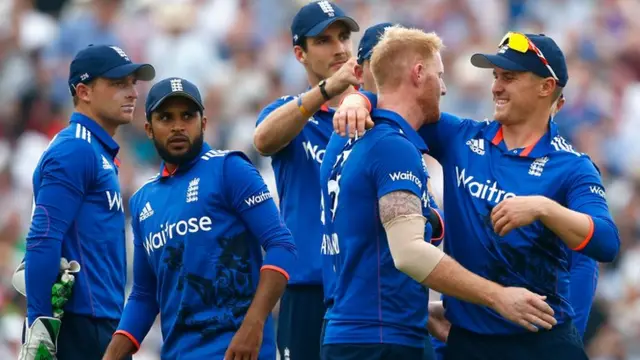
column 560, row 144
column 476, row 145
column 155, row 241
column 488, row 191
column 115, row 200
column 257, row 199
column 313, row 151
column 598, row 191
column 330, row 244
column 406, row 175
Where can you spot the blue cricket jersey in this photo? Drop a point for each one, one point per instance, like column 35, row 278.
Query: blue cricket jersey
column 582, row 288
column 373, row 301
column 479, row 172
column 583, row 282
column 198, row 236
column 78, row 214
column 297, row 172
column 330, row 248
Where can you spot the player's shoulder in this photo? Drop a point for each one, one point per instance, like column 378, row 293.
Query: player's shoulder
column 561, row 150
column 276, row 104
column 385, row 135
column 142, row 191
column 218, row 157
column 71, row 142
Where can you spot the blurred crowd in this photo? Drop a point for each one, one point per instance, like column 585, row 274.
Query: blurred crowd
column 239, row 53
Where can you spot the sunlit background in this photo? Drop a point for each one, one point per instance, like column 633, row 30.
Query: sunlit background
column 239, row 53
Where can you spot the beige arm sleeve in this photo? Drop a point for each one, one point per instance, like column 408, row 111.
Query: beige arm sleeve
column 411, row 254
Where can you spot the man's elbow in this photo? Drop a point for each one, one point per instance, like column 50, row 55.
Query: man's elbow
column 261, row 141
column 604, row 245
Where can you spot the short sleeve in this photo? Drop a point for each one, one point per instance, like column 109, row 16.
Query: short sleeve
column 244, row 185
column 396, row 165
column 272, row 107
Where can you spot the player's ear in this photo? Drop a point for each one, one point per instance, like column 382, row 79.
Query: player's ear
column 204, row 123
column 300, row 54
column 418, row 74
column 83, row 92
column 547, row 87
column 148, row 129
column 359, row 72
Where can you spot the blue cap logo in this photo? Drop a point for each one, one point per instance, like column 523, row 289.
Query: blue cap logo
column 171, row 87
column 105, row 61
column 313, row 18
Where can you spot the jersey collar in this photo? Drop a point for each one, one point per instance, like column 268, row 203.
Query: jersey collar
column 542, row 147
column 382, row 115
column 184, row 167
column 97, row 132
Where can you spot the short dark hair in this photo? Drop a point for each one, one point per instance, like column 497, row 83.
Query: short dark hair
column 303, row 43
column 76, row 99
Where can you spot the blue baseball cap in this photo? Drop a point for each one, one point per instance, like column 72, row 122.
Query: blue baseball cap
column 107, row 62
column 369, row 39
column 513, row 60
column 171, row 87
column 313, row 18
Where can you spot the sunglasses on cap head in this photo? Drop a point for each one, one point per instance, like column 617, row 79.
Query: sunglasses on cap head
column 521, row 43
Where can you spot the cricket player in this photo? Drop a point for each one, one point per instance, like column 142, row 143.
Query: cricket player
column 385, row 264
column 78, row 212
column 294, row 132
column 199, row 229
column 334, row 148
column 528, row 199
column 583, row 280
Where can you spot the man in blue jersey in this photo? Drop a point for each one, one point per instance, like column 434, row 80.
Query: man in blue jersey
column 384, row 264
column 199, row 229
column 78, row 212
column 582, row 282
column 334, row 147
column 528, row 200
column 294, row 131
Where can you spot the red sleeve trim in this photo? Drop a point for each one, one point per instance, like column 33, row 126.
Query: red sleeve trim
column 276, row 268
column 130, row 337
column 586, row 240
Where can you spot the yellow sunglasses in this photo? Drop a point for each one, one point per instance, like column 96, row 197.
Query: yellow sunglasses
column 521, row 43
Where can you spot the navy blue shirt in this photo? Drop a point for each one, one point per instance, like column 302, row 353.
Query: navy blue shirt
column 199, row 235
column 297, row 172
column 78, row 214
column 373, row 301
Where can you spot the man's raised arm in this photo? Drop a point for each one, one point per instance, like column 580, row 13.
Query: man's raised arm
column 278, row 125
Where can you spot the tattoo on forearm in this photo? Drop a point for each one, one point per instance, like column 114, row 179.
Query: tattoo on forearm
column 399, row 203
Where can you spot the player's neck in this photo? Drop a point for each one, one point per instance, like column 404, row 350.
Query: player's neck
column 171, row 168
column 398, row 103
column 110, row 129
column 526, row 133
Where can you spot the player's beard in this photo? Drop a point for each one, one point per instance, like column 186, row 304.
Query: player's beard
column 194, row 150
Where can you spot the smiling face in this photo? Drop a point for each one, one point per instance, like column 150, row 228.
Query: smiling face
column 177, row 130
column 327, row 52
column 516, row 95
